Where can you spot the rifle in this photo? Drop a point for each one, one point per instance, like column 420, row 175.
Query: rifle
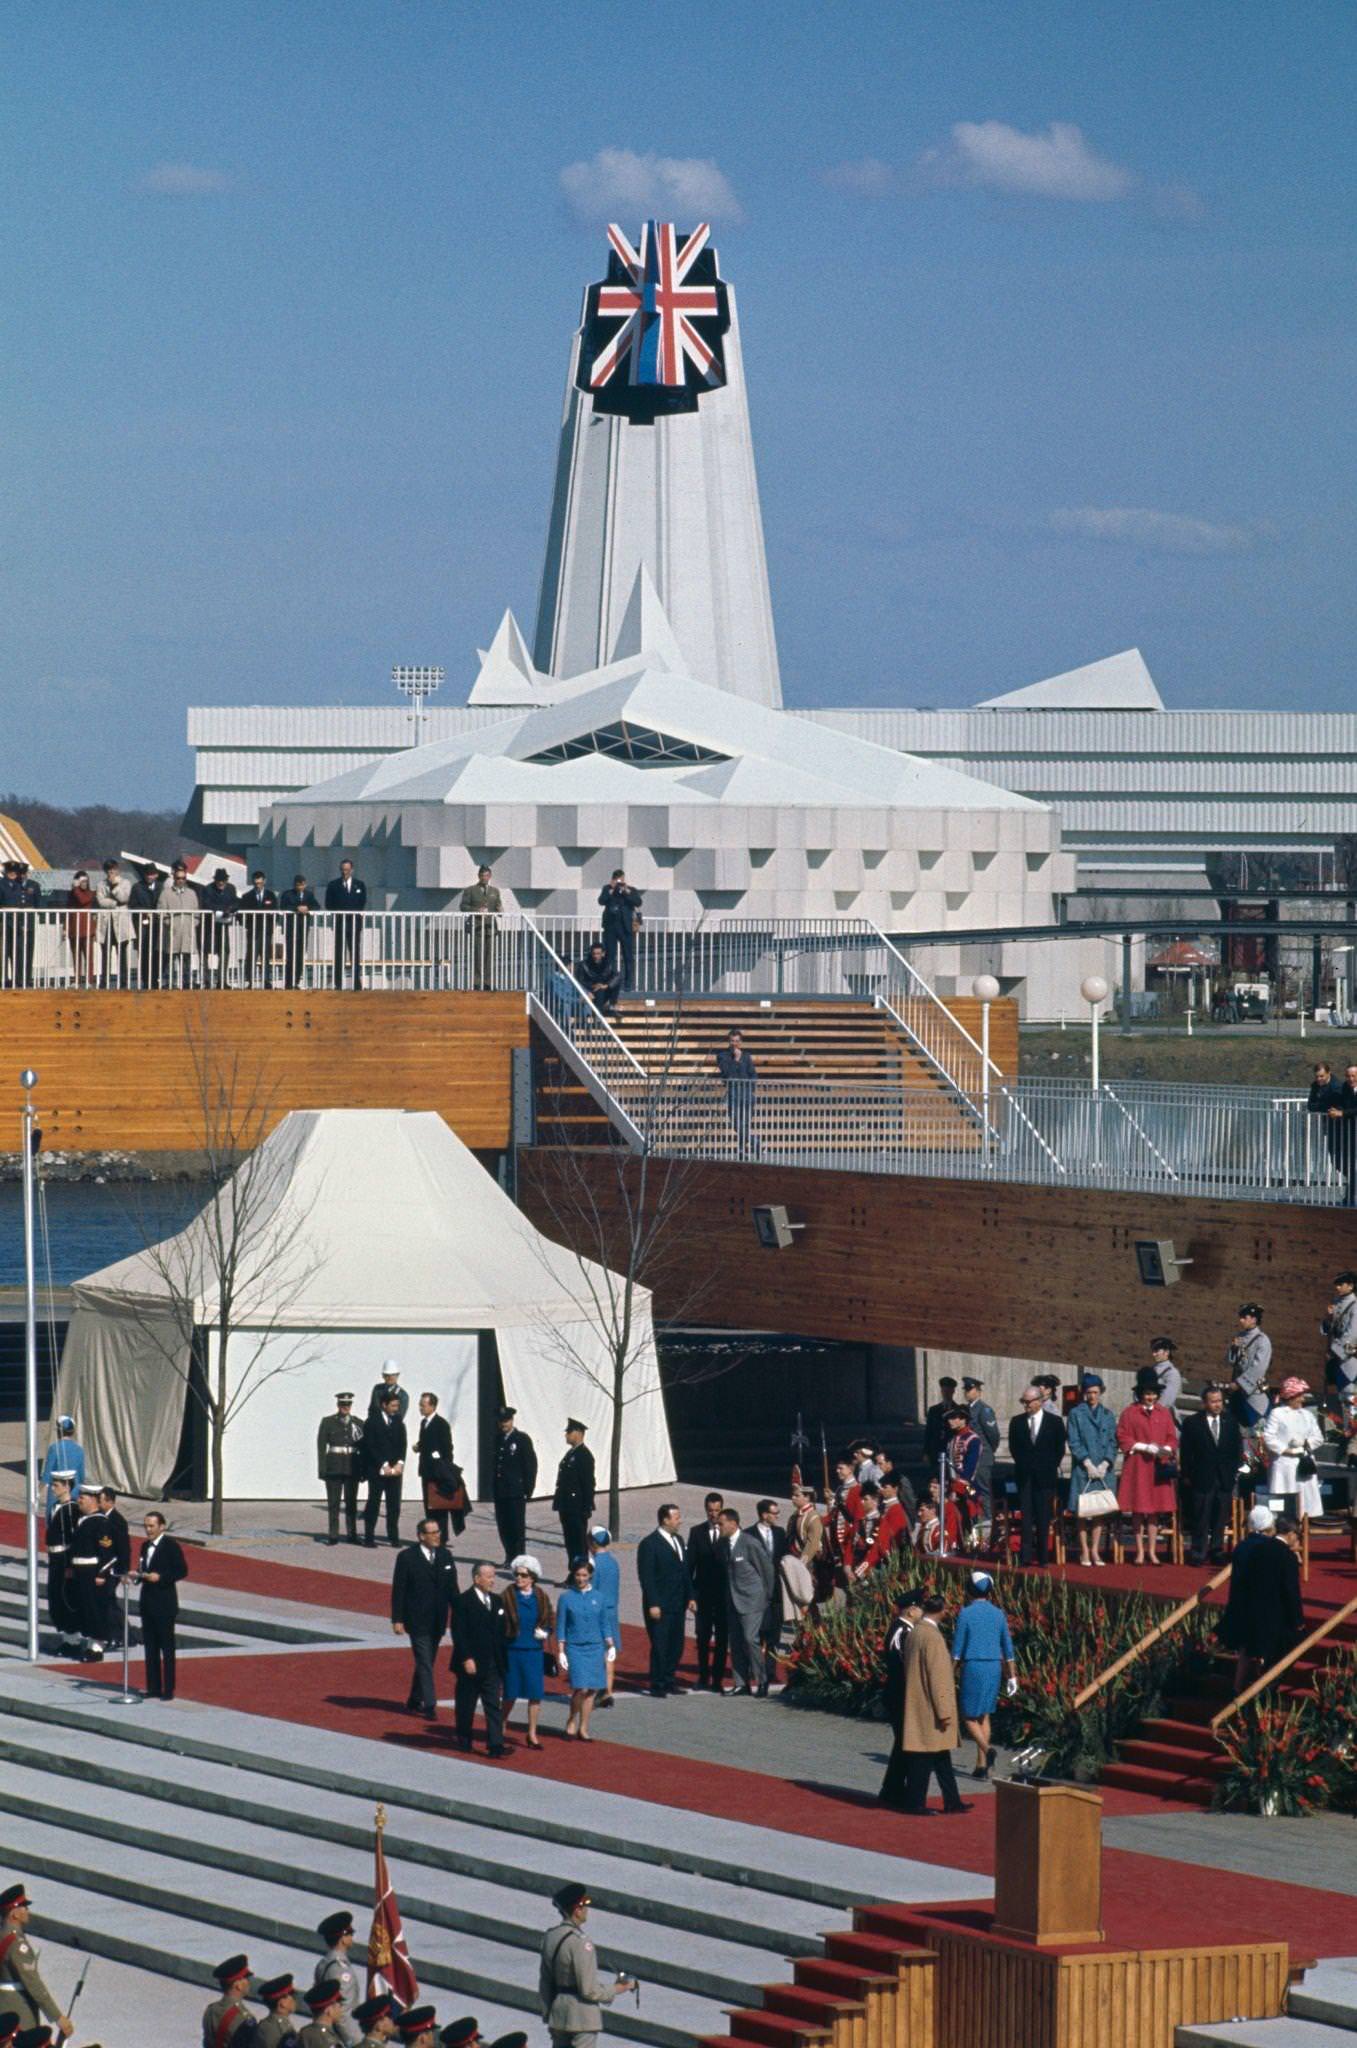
column 824, row 1461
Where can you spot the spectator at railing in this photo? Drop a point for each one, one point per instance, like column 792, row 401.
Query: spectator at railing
column 19, row 892
column 482, row 905
column 258, row 907
column 1345, row 1108
column 181, row 905
column 144, row 901
column 298, row 905
column 115, row 921
column 737, row 1070
column 1148, row 1436
column 1326, row 1100
column 219, row 912
column 347, row 896
column 81, row 909
column 600, row 981
column 621, row 907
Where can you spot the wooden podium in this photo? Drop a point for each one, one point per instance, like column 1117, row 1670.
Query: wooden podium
column 1048, row 1853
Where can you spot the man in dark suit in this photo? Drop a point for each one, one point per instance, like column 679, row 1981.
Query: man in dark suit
column 707, row 1555
column 347, row 897
column 116, row 1562
column 423, row 1588
column 620, row 905
column 384, row 1449
column 935, row 1425
column 1036, row 1444
column 768, row 1531
column 666, row 1596
column 480, row 1659
column 1264, row 1613
column 159, row 1569
column 258, row 909
column 433, row 1448
column 298, row 906
column 514, row 1482
column 573, row 1499
column 1210, row 1453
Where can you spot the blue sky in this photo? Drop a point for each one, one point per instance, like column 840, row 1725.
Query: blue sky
column 1048, row 315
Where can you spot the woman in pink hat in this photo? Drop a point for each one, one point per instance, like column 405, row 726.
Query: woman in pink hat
column 1291, row 1437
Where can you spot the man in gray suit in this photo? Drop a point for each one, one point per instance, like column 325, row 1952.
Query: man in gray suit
column 750, row 1582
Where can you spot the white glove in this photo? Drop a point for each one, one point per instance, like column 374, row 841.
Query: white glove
column 1090, row 1468
column 612, row 1654
column 1011, row 1688
column 563, row 1665
column 540, row 1634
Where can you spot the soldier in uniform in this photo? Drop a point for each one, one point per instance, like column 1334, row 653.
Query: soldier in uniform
column 338, row 1458
column 515, row 1483
column 482, row 904
column 115, row 1544
column 21, row 1987
column 387, row 1385
column 229, row 2014
column 336, row 1931
column 419, row 2027
column 61, row 1520
column 569, row 1987
column 9, row 2027
column 86, row 1554
column 376, row 2016
column 280, row 1995
column 573, row 1499
column 461, row 2034
column 322, row 2002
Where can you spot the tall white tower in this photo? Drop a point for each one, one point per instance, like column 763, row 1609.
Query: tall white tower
column 656, row 471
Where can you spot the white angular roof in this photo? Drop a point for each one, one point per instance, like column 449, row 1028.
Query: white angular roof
column 1120, row 682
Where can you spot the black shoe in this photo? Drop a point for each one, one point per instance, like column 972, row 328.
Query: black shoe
column 962, row 1806
column 503, row 1750
column 426, row 1713
column 369, row 1543
column 739, row 1692
column 353, row 1535
column 606, row 1701
column 332, row 1543
column 763, row 1691
column 464, row 1742
column 677, row 1691
column 394, row 1542
column 981, row 1772
column 657, row 1692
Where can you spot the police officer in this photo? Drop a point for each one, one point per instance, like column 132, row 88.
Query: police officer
column 229, row 2014
column 573, row 1499
column 569, row 1987
column 338, row 1459
column 322, row 2002
column 387, row 1385
column 280, row 1995
column 515, row 1482
column 21, row 1987
column 376, row 2016
column 336, row 1931
column 62, row 1516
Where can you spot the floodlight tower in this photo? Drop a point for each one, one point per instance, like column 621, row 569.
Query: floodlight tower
column 417, row 684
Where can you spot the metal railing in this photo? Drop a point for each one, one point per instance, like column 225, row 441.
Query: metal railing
column 1151, row 1637
column 1283, row 1664
column 1230, row 1143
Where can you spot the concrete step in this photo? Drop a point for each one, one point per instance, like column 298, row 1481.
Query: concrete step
column 1286, row 2032
column 245, row 1910
column 224, row 1623
column 725, row 1967
column 168, row 1946
column 1328, row 1994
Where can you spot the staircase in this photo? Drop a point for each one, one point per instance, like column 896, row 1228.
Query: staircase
column 1321, row 2012
column 1176, row 1755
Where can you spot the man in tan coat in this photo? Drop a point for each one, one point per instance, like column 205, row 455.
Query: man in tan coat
column 930, row 1715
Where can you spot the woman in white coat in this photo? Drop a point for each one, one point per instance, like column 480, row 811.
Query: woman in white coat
column 1291, row 1437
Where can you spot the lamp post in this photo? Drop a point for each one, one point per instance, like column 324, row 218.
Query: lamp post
column 417, row 684
column 1093, row 989
column 985, row 989
column 28, row 1081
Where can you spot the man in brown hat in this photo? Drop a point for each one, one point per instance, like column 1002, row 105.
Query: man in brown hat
column 280, row 1995
column 322, row 2002
column 419, row 2027
column 377, row 2017
column 21, row 1987
column 227, row 2015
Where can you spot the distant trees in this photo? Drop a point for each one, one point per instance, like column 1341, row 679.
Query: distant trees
column 65, row 836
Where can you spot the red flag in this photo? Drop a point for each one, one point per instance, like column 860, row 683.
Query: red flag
column 389, row 1967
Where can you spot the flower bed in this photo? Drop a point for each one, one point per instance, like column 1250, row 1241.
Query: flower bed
column 1063, row 1637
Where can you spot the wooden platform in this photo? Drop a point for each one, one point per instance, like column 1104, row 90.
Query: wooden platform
column 117, row 1070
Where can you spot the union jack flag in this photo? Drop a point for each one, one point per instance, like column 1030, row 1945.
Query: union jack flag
column 653, row 331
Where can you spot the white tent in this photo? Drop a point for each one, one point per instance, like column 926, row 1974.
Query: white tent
column 363, row 1234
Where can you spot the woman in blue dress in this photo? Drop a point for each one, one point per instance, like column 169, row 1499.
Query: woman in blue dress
column 607, row 1584
column 586, row 1647
column 983, row 1649
column 1092, row 1434
column 527, row 1621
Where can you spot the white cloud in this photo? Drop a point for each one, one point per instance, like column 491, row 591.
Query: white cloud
column 1056, row 164
column 866, row 175
column 1164, row 533
column 182, row 181
column 617, row 184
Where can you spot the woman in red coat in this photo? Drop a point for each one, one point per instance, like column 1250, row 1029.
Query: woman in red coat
column 1148, row 1437
column 80, row 926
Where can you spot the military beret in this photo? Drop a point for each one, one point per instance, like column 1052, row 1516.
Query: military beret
column 417, row 2020
column 460, row 2033
column 9, row 2025
column 570, row 1896
column 34, row 2037
column 334, row 1925
column 373, row 2009
column 322, row 1996
column 234, row 1968
column 274, row 1988
column 14, row 1895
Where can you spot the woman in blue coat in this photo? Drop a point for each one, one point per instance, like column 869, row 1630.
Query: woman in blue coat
column 585, row 1647
column 1091, row 1431
column 607, row 1584
column 983, row 1649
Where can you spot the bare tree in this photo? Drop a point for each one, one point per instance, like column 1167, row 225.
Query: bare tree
column 623, row 1207
column 232, row 1276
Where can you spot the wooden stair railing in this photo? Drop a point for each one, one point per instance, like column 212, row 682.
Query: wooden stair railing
column 1154, row 1635
column 1270, row 1677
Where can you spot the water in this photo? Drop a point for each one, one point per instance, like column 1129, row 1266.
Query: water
column 89, row 1226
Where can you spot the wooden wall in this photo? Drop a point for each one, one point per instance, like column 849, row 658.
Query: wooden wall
column 1018, row 1272
column 1003, row 1027
column 116, row 1071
